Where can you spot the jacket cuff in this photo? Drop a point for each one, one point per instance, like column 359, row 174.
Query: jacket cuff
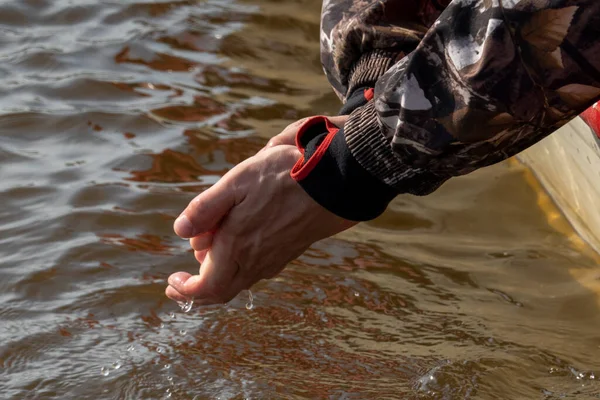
column 374, row 152
column 363, row 76
column 367, row 70
column 330, row 174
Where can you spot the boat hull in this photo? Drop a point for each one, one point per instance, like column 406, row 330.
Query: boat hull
column 567, row 164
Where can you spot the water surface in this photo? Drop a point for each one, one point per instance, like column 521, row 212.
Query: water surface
column 114, row 114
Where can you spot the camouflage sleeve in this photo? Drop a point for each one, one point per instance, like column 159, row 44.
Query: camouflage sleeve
column 362, row 39
column 486, row 80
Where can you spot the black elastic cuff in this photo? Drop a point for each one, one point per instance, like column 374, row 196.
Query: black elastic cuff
column 336, row 180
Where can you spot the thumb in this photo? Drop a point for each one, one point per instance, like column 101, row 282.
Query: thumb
column 204, row 212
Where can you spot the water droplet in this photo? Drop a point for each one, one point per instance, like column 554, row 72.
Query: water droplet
column 187, row 306
column 131, row 348
column 162, row 325
column 167, row 366
column 592, row 376
column 117, row 365
column 356, row 294
column 160, row 349
column 172, row 314
column 250, row 303
column 183, row 332
column 105, row 371
column 168, row 393
column 170, row 378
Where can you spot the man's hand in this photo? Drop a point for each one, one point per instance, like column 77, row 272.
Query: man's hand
column 249, row 226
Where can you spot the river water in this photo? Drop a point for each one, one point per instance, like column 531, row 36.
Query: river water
column 114, row 114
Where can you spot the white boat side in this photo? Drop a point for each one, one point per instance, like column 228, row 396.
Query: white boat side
column 567, row 164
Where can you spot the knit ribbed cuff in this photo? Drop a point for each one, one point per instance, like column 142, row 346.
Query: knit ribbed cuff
column 367, row 70
column 374, row 152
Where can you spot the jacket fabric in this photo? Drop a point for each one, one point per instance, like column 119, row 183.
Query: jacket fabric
column 436, row 89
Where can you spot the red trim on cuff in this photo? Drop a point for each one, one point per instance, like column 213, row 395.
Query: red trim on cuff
column 591, row 116
column 369, row 94
column 301, row 169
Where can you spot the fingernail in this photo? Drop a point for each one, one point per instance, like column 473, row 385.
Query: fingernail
column 183, row 227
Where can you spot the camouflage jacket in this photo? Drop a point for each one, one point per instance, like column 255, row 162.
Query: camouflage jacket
column 458, row 85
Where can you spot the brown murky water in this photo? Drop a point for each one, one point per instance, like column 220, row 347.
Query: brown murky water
column 113, row 114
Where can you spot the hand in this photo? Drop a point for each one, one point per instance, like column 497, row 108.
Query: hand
column 248, row 227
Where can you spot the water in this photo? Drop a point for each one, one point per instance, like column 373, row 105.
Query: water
column 187, row 306
column 114, row 114
column 250, row 303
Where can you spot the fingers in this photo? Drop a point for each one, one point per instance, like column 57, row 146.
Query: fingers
column 184, row 284
column 200, row 255
column 201, row 242
column 175, row 295
column 176, row 280
column 204, row 213
column 218, row 271
column 219, row 279
column 215, row 279
column 237, row 286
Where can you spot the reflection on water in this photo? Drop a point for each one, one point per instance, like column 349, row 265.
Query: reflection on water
column 113, row 114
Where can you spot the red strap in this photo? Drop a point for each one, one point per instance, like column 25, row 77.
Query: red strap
column 302, row 169
column 369, row 93
column 591, row 116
